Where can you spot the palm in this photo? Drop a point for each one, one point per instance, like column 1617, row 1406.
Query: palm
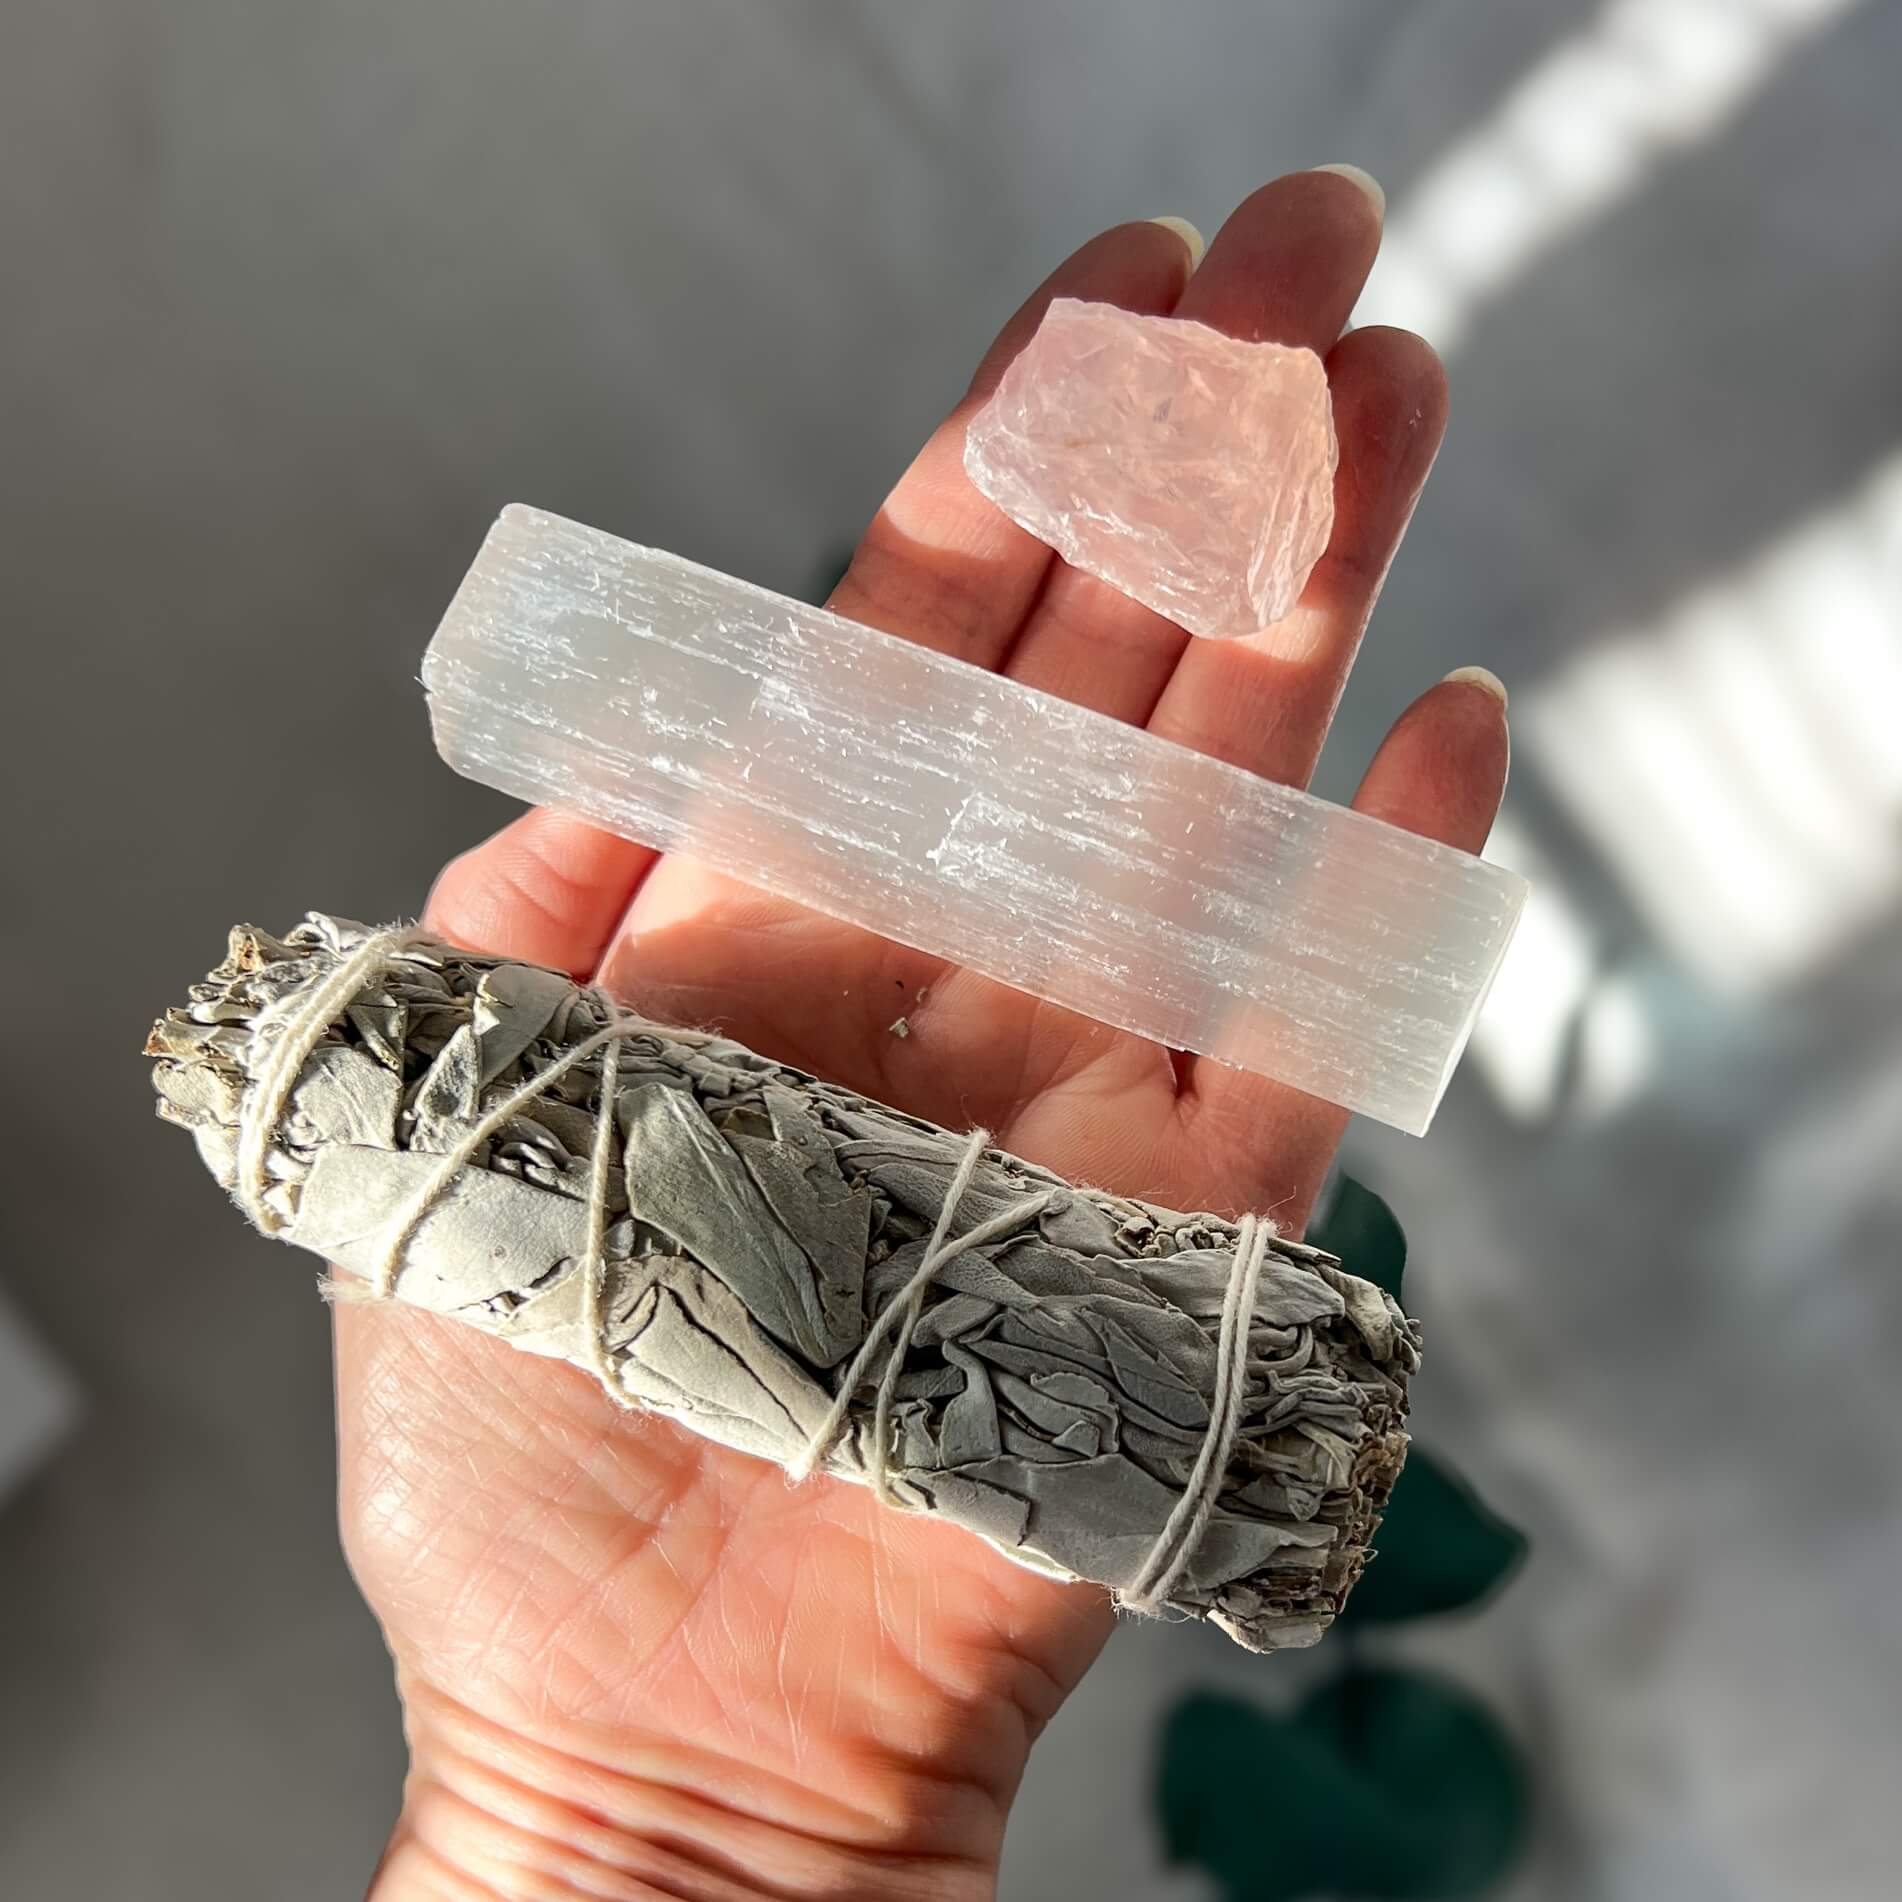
column 661, row 1609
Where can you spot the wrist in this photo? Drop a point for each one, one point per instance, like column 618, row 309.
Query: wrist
column 492, row 1816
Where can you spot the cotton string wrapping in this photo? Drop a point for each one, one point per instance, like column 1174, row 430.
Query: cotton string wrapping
column 594, row 1262
column 451, row 1164
column 310, row 1022
column 901, row 1313
column 306, row 1028
column 1151, row 1587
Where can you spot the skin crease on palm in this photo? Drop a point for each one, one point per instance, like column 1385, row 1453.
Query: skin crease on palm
column 637, row 1664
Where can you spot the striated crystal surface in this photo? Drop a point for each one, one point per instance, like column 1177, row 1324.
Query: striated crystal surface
column 1060, row 851
column 1189, row 469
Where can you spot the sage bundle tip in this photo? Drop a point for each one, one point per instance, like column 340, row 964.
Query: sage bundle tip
column 749, row 1250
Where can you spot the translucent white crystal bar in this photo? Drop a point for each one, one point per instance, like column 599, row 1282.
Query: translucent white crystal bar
column 1065, row 853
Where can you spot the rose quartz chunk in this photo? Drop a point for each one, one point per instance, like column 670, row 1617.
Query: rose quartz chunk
column 1191, row 470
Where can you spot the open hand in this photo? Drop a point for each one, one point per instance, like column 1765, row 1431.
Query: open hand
column 635, row 1663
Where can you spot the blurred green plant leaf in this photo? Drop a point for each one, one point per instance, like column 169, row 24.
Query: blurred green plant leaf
column 1382, row 1784
column 1355, row 1224
column 1439, row 1547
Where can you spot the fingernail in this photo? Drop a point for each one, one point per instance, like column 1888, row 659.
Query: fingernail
column 1188, row 234
column 1365, row 180
column 1481, row 677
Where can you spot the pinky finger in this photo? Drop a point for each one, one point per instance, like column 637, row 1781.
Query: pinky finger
column 1441, row 770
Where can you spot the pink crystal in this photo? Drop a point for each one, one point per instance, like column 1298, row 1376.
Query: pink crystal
column 1189, row 469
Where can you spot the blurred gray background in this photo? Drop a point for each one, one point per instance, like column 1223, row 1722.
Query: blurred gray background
column 296, row 298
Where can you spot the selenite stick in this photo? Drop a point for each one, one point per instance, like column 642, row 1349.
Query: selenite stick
column 963, row 814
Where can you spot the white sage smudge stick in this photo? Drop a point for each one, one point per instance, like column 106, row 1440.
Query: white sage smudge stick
column 1196, row 1413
